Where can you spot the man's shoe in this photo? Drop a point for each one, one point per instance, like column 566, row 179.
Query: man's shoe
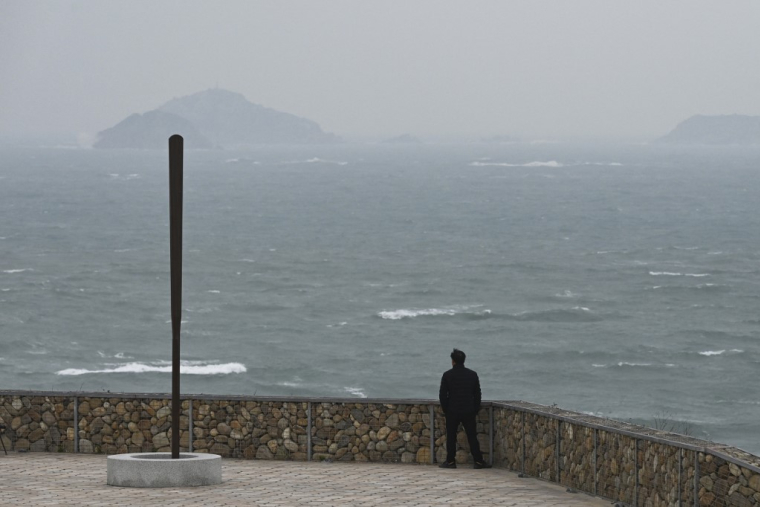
column 478, row 466
column 451, row 464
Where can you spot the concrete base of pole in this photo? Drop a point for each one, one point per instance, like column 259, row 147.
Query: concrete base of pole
column 159, row 470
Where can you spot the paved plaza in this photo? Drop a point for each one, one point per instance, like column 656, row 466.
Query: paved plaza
column 67, row 479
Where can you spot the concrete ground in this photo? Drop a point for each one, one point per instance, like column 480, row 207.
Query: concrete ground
column 80, row 479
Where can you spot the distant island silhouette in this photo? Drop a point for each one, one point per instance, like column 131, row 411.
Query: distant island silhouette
column 719, row 129
column 213, row 118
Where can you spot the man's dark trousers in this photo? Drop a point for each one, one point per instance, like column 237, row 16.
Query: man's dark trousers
column 470, row 428
column 459, row 396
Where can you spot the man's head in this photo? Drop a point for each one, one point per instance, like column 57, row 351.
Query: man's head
column 457, row 357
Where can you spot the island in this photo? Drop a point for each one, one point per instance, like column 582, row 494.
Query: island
column 213, row 118
column 734, row 129
column 150, row 131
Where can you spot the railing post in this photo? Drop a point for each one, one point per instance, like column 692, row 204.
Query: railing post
column 696, row 478
column 308, row 431
column 523, row 443
column 596, row 458
column 680, row 474
column 76, row 424
column 490, row 435
column 431, row 411
column 190, row 425
column 556, row 451
column 636, row 471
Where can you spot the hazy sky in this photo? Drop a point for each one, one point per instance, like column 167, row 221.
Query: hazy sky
column 598, row 68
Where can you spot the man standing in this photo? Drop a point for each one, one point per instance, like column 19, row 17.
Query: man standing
column 460, row 400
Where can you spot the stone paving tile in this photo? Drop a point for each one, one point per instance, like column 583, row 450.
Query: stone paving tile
column 35, row 479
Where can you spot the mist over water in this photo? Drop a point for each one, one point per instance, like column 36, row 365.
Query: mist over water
column 619, row 280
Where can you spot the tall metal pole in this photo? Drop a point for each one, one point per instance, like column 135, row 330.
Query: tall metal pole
column 175, row 253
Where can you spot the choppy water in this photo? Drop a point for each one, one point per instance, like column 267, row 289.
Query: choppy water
column 616, row 280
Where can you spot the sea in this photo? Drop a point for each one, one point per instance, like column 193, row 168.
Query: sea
column 620, row 280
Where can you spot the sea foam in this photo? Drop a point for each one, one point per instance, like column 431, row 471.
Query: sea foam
column 535, row 163
column 669, row 273
column 355, row 391
column 186, row 368
column 314, row 160
column 483, row 162
column 575, row 314
column 430, row 312
column 719, row 352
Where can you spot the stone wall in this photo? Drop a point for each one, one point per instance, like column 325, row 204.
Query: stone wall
column 508, row 440
column 658, row 471
column 616, row 465
column 577, row 455
column 377, row 432
column 724, row 483
column 622, row 462
column 116, row 425
column 38, row 423
column 251, row 429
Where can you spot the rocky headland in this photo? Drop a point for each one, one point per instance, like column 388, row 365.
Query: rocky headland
column 213, row 118
column 716, row 130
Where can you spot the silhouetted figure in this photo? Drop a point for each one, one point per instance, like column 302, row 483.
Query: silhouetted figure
column 460, row 400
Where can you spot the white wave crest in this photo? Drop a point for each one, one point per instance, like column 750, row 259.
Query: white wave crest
column 669, row 273
column 242, row 160
column 719, row 352
column 667, row 365
column 539, row 163
column 296, row 382
column 315, row 160
column 186, row 368
column 411, row 313
column 356, row 391
column 11, row 271
column 535, row 163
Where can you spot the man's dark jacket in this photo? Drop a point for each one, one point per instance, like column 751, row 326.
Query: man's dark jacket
column 460, row 391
